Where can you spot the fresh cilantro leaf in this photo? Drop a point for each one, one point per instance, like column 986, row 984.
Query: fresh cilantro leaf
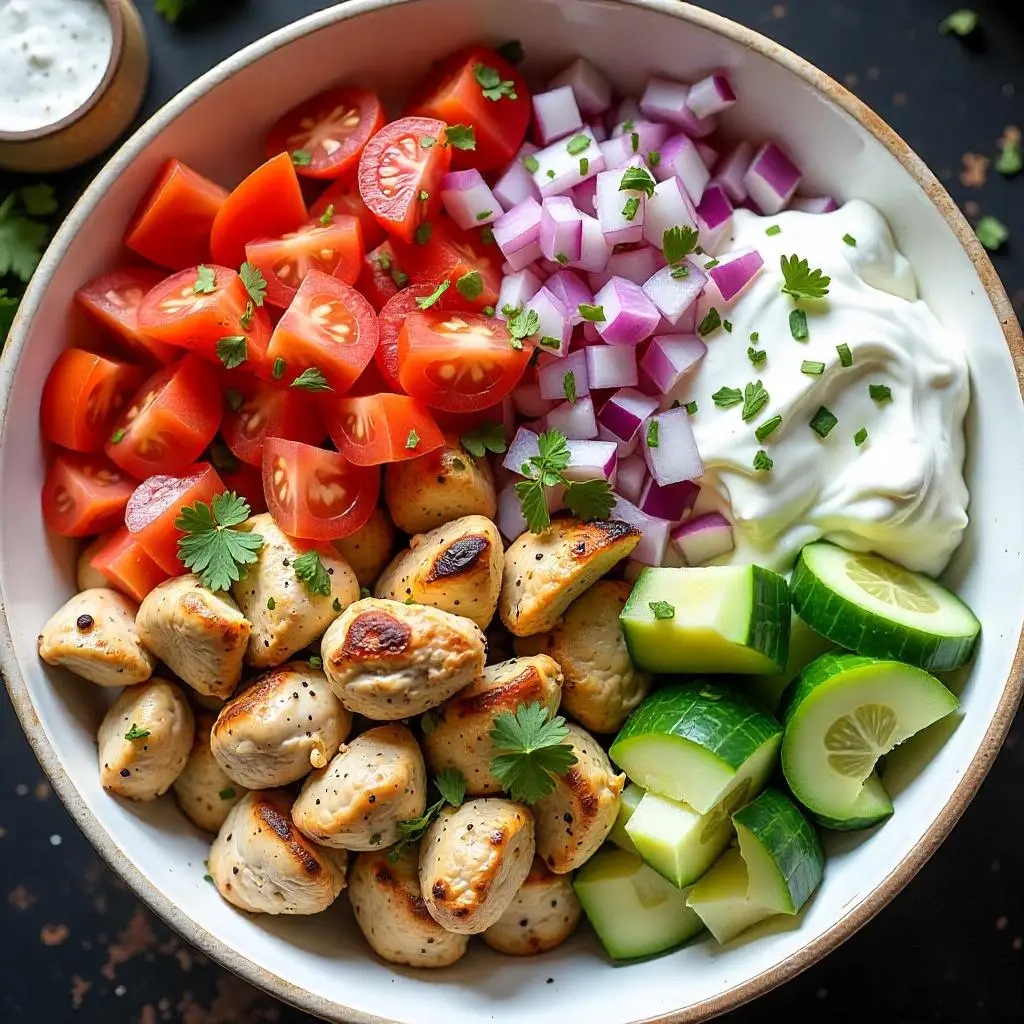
column 679, row 242
column 327, row 217
column 763, row 462
column 530, row 752
column 726, row 398
column 135, row 733
column 959, row 23
column 451, row 784
column 315, row 661
column 487, row 437
column 312, row 379
column 800, row 281
column 711, row 322
column 38, row 200
column 492, row 84
column 412, row 440
column 880, row 393
column 662, row 609
column 232, row 351
column 21, row 241
column 302, row 158
column 521, row 323
column 823, row 422
column 279, row 367
column 254, row 281
column 471, row 285
column 590, row 500
column 755, row 398
column 460, row 136
column 534, row 505
column 211, row 547
column 512, row 51
column 593, row 314
column 206, row 280
column 271, row 604
column 992, row 233
column 766, row 429
column 569, row 387
column 756, row 355
column 399, row 276
column 311, row 572
column 428, row 300
column 637, row 179
column 861, row 436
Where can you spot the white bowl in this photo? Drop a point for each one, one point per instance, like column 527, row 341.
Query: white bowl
column 217, row 125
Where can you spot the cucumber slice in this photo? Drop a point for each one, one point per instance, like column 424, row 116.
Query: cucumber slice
column 720, row 898
column 871, row 807
column 841, row 715
column 697, row 742
column 722, row 618
column 628, row 803
column 781, row 850
column 871, row 606
column 634, row 911
column 805, row 644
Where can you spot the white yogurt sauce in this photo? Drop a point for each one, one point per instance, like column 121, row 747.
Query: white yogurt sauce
column 53, row 55
column 902, row 493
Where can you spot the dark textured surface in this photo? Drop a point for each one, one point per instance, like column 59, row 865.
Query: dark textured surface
column 75, row 945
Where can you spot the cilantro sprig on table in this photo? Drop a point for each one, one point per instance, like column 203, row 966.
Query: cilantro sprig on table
column 22, row 240
column 451, row 785
column 212, row 547
column 530, row 752
column 489, row 436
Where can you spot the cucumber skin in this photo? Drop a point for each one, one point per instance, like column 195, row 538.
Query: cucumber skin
column 776, row 822
column 690, row 710
column 770, row 638
column 845, row 623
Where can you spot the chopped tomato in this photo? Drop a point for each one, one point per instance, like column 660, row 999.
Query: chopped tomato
column 459, row 257
column 325, row 135
column 171, row 226
column 335, row 248
column 265, row 204
column 455, row 93
column 170, row 420
column 195, row 311
column 126, row 565
column 400, row 174
column 380, row 275
column 376, row 429
column 84, row 494
column 245, row 480
column 344, row 198
column 330, row 327
column 114, row 299
column 158, row 501
column 82, row 397
column 459, row 423
column 316, row 494
column 267, row 411
column 459, row 362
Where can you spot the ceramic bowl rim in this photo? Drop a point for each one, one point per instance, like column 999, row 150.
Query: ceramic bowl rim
column 901, row 873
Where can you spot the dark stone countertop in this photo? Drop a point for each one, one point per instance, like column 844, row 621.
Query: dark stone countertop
column 76, row 945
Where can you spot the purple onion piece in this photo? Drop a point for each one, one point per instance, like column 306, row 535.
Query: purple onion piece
column 561, row 230
column 584, row 196
column 591, row 460
column 555, row 331
column 666, row 101
column 594, row 248
column 669, row 357
column 524, row 447
column 675, row 457
column 592, row 90
column 630, row 478
column 772, row 178
column 819, row 204
column 556, row 114
column 570, row 290
column 530, row 403
column 654, row 533
column 714, row 218
column 635, row 265
column 518, row 233
column 669, row 207
column 625, row 413
column 576, row 420
column 707, row 153
column 630, row 316
column 624, row 448
column 674, row 295
column 672, row 502
column 610, row 366
column 731, row 169
column 681, row 158
column 510, row 520
column 516, row 183
column 558, row 170
column 551, row 376
column 704, row 538
column 735, row 275
column 710, row 95
column 468, row 199
column 516, row 290
column 619, row 229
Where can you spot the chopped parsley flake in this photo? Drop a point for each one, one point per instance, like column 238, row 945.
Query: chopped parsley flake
column 798, row 325
column 662, row 609
column 766, row 429
column 850, row 241
column 861, row 436
column 632, row 208
column 711, row 322
column 775, row 229
column 726, row 398
column 845, row 354
column 881, row 393
column 763, row 462
column 755, row 398
column 812, row 368
column 823, row 422
column 756, row 355
column 577, row 144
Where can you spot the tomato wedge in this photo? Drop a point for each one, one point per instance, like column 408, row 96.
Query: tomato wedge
column 113, row 300
column 265, row 204
column 126, row 565
column 158, row 501
column 265, row 412
column 460, row 257
column 457, row 92
column 325, row 135
column 397, row 170
column 330, row 327
column 458, row 362
column 376, row 429
column 342, row 197
column 380, row 276
column 198, row 307
column 171, row 226
column 335, row 248
column 315, row 494
column 84, row 494
column 83, row 395
column 170, row 421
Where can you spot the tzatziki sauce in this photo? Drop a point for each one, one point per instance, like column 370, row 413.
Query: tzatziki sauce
column 53, row 55
column 900, row 492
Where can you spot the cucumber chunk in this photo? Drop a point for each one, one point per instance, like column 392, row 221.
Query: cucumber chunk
column 722, row 618
column 873, row 607
column 871, row 807
column 634, row 911
column 675, row 840
column 697, row 742
column 841, row 714
column 805, row 644
column 781, row 850
column 628, row 803
column 721, row 900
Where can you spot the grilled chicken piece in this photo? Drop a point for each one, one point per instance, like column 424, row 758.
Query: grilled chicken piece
column 204, row 793
column 369, row 549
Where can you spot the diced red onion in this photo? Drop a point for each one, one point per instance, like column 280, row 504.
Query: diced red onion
column 666, row 101
column 710, row 95
column 547, row 267
column 583, row 196
column 703, row 538
column 556, row 114
column 571, row 292
column 611, row 203
column 554, row 323
column 820, row 204
column 524, row 447
column 707, row 154
column 654, row 533
column 630, row 478
column 772, row 178
column 620, row 148
column 624, row 448
column 735, row 274
column 511, row 522
column 598, row 129
column 610, row 366
column 687, row 323
column 468, row 199
column 681, row 158
column 516, row 183
column 591, row 460
column 674, row 295
column 675, row 457
column 673, row 502
column 576, row 420
column 590, row 335
column 714, row 218
column 669, row 357
column 730, row 171
column 635, row 265
column 628, row 109
column 516, row 290
column 630, row 316
column 561, row 230
column 529, row 402
column 566, row 166
column 518, row 233
column 551, row 376
column 669, row 207
column 592, row 90
column 624, row 414
column 595, row 249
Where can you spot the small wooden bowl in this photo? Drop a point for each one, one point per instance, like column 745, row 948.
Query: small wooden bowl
column 104, row 116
